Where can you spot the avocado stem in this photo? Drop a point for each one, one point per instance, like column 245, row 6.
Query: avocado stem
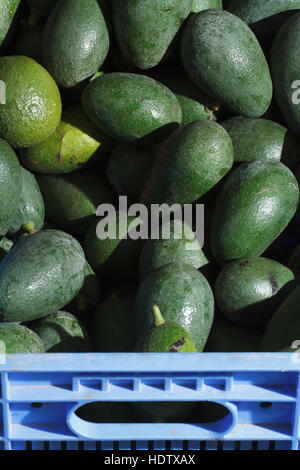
column 28, row 227
column 158, row 318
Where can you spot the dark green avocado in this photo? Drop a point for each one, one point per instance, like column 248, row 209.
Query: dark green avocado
column 8, row 15
column 18, row 339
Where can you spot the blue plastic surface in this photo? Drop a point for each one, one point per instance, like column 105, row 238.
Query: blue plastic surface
column 39, row 395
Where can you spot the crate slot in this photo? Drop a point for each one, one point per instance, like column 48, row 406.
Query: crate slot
column 158, row 384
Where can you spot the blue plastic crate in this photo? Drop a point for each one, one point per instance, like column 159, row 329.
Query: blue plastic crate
column 39, row 395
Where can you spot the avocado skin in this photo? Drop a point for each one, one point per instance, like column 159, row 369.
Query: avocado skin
column 33, row 104
column 200, row 5
column 183, row 294
column 169, row 337
column 31, row 206
column 72, row 24
column 284, row 326
column 89, row 295
column 61, row 332
column 113, row 326
column 18, row 339
column 40, row 274
column 249, row 291
column 11, row 185
column 285, row 70
column 132, row 108
column 150, row 28
column 261, row 139
column 8, row 13
column 234, row 71
column 254, row 205
column 189, row 164
column 71, row 200
column 5, row 246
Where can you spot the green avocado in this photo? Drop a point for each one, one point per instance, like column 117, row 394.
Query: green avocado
column 40, row 274
column 150, row 28
column 8, row 14
column 183, row 294
column 18, row 339
column 10, row 187
column 113, row 326
column 233, row 70
column 285, row 71
column 32, row 107
column 5, row 246
column 165, row 336
column 177, row 243
column 189, row 164
column 31, row 211
column 200, row 5
column 128, row 169
column 76, row 143
column 132, row 108
column 75, row 41
column 284, row 326
column 261, row 139
column 110, row 249
column 71, row 200
column 61, row 332
column 254, row 205
column 89, row 295
column 249, row 291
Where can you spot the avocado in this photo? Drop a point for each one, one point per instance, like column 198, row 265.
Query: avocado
column 284, row 326
column 61, row 332
column 254, row 205
column 33, row 106
column 249, row 291
column 189, row 164
column 284, row 57
column 29, row 43
column 261, row 139
column 71, row 200
column 113, row 326
column 5, row 246
column 18, row 339
column 128, row 168
column 11, row 186
column 194, row 111
column 8, row 14
column 296, row 220
column 183, row 294
column 177, row 243
column 40, row 274
column 89, row 295
column 132, row 108
column 228, row 337
column 165, row 336
column 115, row 254
column 150, row 28
column 233, row 70
column 200, row 5
column 75, row 41
column 31, row 211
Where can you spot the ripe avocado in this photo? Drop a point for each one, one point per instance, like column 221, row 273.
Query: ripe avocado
column 33, row 106
column 10, row 187
column 254, row 205
column 18, row 339
column 61, row 332
column 233, row 71
column 189, row 164
column 150, row 28
column 184, row 296
column 8, row 15
column 31, row 211
column 71, row 200
column 131, row 107
column 177, row 243
column 285, row 71
column 249, row 291
column 200, row 5
column 75, row 41
column 165, row 336
column 40, row 274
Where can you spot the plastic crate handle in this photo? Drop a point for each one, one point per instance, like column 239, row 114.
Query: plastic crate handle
column 152, row 431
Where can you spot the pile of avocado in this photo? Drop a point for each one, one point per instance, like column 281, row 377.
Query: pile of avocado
column 175, row 102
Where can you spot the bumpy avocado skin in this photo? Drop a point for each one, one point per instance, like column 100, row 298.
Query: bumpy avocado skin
column 8, row 14
column 75, row 41
column 132, row 108
column 248, row 292
column 18, row 339
column 10, row 187
column 39, row 275
column 183, row 294
column 32, row 108
column 200, row 5
column 254, row 205
column 234, row 71
column 150, row 28
column 169, row 337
